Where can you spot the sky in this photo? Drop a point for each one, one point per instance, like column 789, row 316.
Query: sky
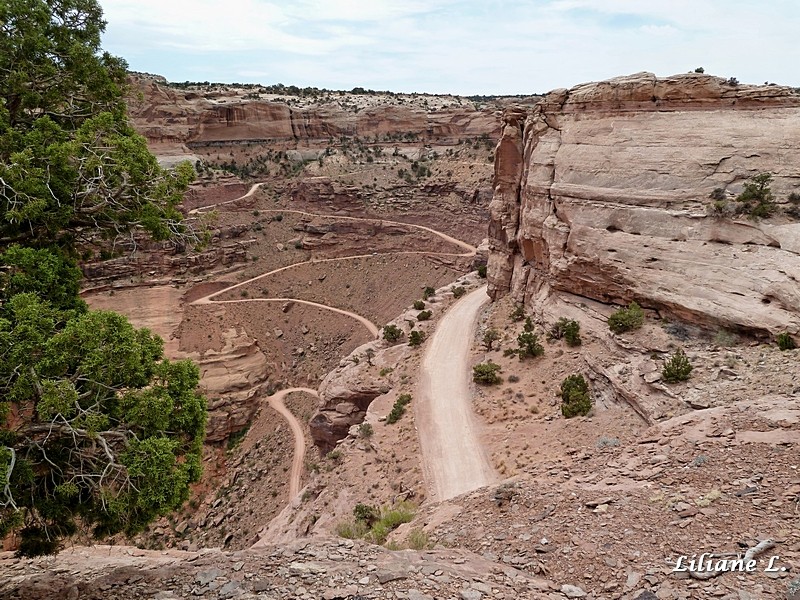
column 453, row 47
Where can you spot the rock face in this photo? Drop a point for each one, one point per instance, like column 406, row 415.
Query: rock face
column 603, row 191
column 168, row 116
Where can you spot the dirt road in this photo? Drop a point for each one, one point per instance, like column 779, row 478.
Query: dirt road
column 454, row 460
column 276, row 402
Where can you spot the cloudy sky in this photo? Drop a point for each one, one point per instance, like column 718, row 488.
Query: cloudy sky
column 451, row 46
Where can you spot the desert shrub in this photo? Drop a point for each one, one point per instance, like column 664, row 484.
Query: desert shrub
column 606, row 442
column 334, row 455
column 513, row 379
column 424, row 315
column 677, row 330
column 385, row 371
column 416, row 338
column 785, row 342
column 756, row 198
column 677, row 368
column 486, row 373
column 278, row 217
column 398, row 409
column 529, row 345
column 366, row 513
column 528, row 327
column 518, row 314
column 365, row 430
column 392, row 333
column 458, row 291
column 428, row 292
column 298, row 244
column 418, row 540
column 419, row 305
column 569, row 329
column 575, row 399
column 490, row 337
column 718, row 194
column 351, row 530
column 390, row 518
column 482, row 271
column 626, row 319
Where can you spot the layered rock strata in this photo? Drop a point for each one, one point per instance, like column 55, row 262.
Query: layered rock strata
column 603, row 191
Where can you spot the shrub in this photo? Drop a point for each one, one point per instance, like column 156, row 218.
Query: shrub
column 626, row 319
column 677, row 368
column 458, row 291
column 490, row 337
column 398, row 409
column 785, row 342
column 486, row 373
column 365, row 513
column 513, row 379
column 528, row 327
column 351, row 530
column 428, row 292
column 419, row 305
column 278, row 217
column 365, row 430
column 529, row 345
column 392, row 333
column 424, row 315
column 390, row 519
column 385, row 371
column 756, row 199
column 416, row 338
column 568, row 329
column 575, row 398
column 418, row 540
column 718, row 194
column 518, row 314
column 726, row 338
column 482, row 271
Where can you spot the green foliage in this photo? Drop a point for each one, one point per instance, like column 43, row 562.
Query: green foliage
column 366, row 513
column 518, row 314
column 626, row 319
column 459, row 291
column 677, row 368
column 486, row 373
column 419, row 305
column 568, row 329
column 416, row 338
column 529, row 346
column 528, row 327
column 365, row 430
column 392, row 333
column 756, row 198
column 428, row 292
column 418, row 540
column 482, row 271
column 398, row 409
column 490, row 337
column 373, row 524
column 108, row 434
column 575, row 399
column 785, row 342
column 424, row 315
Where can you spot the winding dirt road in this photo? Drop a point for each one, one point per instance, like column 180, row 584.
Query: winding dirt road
column 276, row 402
column 453, row 456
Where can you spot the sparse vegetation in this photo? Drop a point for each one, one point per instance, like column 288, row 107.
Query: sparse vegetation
column 385, row 371
column 568, row 329
column 725, row 338
column 575, row 399
column 757, row 200
column 424, row 315
column 416, row 338
column 529, row 346
column 365, row 431
column 785, row 342
column 392, row 333
column 428, row 292
column 490, row 337
column 418, row 540
column 677, row 368
column 482, row 271
column 486, row 373
column 518, row 314
column 626, row 319
column 398, row 409
column 458, row 291
column 419, row 305
column 375, row 525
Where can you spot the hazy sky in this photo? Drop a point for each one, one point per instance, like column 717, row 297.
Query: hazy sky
column 450, row 46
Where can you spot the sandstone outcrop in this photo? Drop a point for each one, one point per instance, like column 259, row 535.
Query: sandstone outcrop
column 603, row 191
column 168, row 116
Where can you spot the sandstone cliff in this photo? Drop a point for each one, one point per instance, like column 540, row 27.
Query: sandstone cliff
column 603, row 191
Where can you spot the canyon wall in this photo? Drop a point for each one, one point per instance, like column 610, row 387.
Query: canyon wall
column 168, row 116
column 603, row 191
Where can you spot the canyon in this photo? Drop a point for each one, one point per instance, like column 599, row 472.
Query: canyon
column 336, row 216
